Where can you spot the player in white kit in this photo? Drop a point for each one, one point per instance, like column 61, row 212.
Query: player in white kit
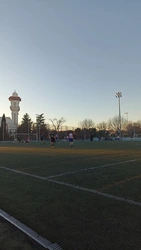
column 70, row 136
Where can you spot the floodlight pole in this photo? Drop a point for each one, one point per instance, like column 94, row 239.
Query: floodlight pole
column 66, row 131
column 28, row 130
column 36, row 128
column 39, row 129
column 127, row 116
column 119, row 95
column 3, row 130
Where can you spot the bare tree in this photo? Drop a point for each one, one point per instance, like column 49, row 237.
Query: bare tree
column 113, row 124
column 102, row 126
column 56, row 124
column 134, row 128
column 87, row 123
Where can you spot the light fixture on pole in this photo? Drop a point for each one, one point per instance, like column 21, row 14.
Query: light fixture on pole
column 119, row 95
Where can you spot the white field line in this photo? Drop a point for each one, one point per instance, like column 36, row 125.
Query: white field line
column 97, row 192
column 28, row 231
column 66, row 173
column 23, row 173
column 92, row 168
column 77, row 187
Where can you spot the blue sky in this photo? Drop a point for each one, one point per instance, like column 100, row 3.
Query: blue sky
column 69, row 58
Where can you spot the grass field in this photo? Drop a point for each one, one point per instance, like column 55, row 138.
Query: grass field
column 83, row 198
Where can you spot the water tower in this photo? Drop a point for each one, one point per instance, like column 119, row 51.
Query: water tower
column 15, row 108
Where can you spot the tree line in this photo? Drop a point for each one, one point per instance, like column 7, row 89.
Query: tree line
column 34, row 130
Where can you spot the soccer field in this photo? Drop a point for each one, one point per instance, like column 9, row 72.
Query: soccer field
column 83, row 198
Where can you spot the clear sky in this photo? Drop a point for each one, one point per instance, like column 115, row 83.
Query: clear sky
column 69, row 57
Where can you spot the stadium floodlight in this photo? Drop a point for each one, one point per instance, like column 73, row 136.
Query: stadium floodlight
column 119, row 95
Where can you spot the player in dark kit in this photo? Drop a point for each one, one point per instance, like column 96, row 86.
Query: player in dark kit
column 42, row 139
column 52, row 139
column 92, row 136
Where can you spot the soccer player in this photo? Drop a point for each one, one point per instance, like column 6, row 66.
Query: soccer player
column 56, row 137
column 70, row 136
column 52, row 139
column 42, row 138
column 92, row 136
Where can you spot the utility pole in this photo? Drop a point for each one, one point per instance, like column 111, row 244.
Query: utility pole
column 119, row 95
column 3, row 130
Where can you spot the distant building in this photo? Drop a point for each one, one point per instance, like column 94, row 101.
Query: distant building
column 12, row 123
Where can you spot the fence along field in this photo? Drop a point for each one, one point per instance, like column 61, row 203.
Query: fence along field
column 88, row 198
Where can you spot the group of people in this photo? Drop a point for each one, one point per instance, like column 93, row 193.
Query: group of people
column 54, row 138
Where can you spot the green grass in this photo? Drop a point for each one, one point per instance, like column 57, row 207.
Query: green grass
column 75, row 219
